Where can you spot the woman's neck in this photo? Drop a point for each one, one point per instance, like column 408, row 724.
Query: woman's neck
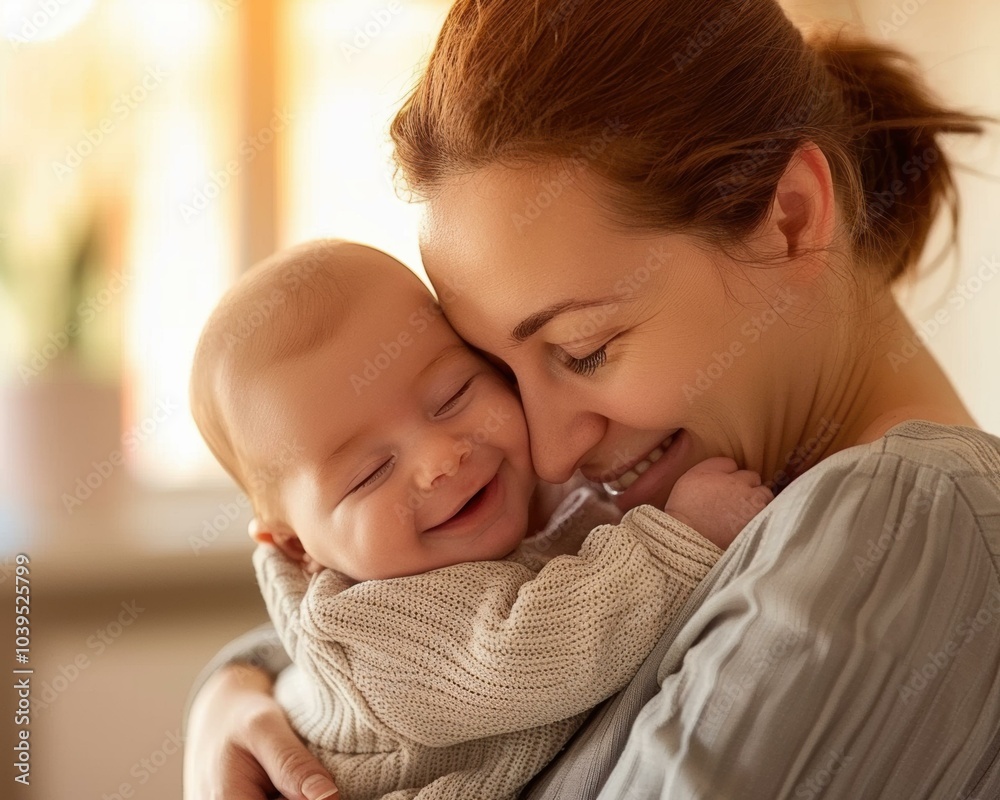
column 868, row 386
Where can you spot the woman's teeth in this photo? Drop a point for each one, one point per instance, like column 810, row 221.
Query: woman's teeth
column 622, row 483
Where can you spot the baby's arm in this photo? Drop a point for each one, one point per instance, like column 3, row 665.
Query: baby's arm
column 485, row 648
column 718, row 499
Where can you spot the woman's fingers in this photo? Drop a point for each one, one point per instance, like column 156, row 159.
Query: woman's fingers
column 293, row 770
column 241, row 745
column 216, row 765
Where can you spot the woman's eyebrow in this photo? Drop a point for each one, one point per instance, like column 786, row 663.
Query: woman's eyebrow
column 534, row 323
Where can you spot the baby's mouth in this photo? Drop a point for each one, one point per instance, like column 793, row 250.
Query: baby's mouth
column 469, row 507
column 631, row 475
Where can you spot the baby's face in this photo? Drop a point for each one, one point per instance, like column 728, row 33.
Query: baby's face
column 411, row 452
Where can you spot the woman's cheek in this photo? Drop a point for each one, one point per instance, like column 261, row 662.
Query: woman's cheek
column 646, row 404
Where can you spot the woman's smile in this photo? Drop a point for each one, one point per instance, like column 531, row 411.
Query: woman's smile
column 628, row 475
column 662, row 471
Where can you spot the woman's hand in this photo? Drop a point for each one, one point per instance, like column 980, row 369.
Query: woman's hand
column 240, row 745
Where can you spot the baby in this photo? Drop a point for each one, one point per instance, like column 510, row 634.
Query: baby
column 438, row 650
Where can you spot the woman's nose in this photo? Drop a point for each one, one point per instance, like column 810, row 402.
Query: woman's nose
column 560, row 429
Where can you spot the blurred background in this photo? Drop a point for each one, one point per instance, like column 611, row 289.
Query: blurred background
column 150, row 150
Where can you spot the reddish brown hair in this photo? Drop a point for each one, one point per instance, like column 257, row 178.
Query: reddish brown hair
column 704, row 109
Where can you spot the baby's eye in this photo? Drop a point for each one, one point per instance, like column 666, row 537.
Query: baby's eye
column 378, row 473
column 453, row 401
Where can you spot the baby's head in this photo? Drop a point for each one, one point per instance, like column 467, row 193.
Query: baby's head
column 369, row 438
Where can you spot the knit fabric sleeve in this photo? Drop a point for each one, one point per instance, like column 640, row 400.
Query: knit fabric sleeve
column 284, row 586
column 581, row 510
column 486, row 648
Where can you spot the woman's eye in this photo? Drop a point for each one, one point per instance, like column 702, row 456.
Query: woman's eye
column 378, row 473
column 588, row 365
column 453, row 401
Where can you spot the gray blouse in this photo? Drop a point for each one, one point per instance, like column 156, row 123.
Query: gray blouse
column 847, row 645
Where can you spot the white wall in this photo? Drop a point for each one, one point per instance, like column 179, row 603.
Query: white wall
column 958, row 44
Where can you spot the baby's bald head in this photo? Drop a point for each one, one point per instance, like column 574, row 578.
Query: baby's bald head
column 281, row 309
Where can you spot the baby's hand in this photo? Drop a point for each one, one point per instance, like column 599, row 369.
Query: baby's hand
column 717, row 499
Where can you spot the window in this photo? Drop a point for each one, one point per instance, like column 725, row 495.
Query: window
column 171, row 144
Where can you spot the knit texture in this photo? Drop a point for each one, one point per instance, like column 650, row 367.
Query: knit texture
column 465, row 681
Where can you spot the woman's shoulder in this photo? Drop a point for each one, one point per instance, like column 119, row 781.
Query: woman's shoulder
column 922, row 487
column 957, row 449
column 862, row 588
column 915, row 452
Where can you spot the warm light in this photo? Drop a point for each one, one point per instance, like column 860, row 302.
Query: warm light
column 349, row 67
column 27, row 21
column 182, row 247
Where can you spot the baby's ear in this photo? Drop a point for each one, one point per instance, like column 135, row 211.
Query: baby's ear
column 281, row 537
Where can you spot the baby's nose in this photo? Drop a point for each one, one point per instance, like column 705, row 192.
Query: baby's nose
column 442, row 458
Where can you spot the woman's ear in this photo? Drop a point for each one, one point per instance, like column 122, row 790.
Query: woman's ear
column 802, row 215
column 282, row 537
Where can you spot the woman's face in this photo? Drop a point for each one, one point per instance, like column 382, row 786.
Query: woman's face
column 635, row 355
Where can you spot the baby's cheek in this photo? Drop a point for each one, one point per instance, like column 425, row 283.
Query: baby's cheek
column 516, row 430
column 501, row 411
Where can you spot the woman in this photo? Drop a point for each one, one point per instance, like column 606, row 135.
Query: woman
column 678, row 233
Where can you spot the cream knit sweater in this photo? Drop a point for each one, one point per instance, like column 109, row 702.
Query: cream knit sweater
column 464, row 682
